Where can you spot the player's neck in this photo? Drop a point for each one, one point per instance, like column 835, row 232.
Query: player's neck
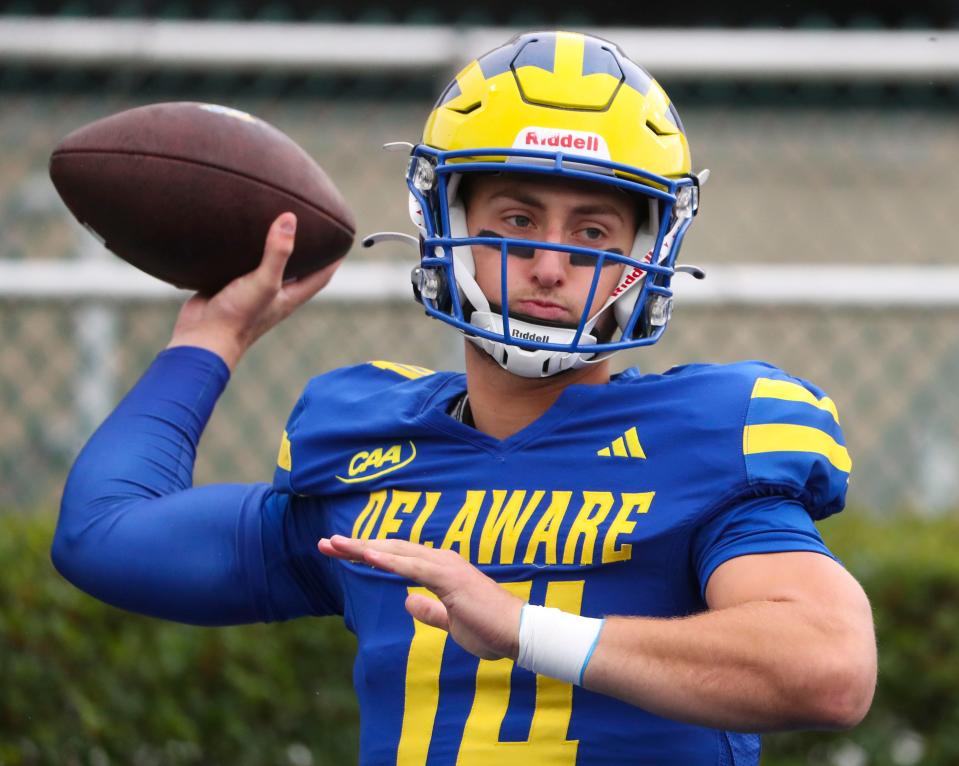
column 502, row 403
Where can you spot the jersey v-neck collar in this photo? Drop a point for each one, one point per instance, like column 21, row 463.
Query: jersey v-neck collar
column 437, row 405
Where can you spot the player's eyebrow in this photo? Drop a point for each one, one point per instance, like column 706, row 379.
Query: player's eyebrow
column 598, row 209
column 592, row 208
column 518, row 196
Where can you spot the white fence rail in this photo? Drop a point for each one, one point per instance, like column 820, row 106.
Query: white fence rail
column 736, row 284
column 925, row 56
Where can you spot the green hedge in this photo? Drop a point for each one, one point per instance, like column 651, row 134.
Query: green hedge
column 82, row 683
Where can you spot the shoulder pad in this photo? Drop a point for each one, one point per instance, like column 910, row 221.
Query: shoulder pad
column 320, row 407
column 792, row 442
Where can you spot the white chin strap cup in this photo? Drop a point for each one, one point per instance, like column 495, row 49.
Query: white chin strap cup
column 529, row 363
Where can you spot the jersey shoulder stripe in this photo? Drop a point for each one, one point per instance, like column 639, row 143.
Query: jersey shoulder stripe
column 409, row 371
column 784, row 416
column 786, row 390
column 284, row 458
column 785, row 437
column 792, row 438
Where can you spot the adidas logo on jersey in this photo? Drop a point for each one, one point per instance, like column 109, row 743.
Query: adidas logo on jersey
column 626, row 445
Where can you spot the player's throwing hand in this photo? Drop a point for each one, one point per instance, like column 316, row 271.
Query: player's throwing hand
column 481, row 616
column 229, row 322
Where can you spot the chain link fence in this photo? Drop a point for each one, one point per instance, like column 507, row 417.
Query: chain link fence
column 813, row 183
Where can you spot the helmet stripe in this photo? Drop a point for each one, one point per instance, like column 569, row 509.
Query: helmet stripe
column 569, row 55
column 539, row 51
column 673, row 116
column 497, row 61
column 599, row 59
column 636, row 77
column 451, row 92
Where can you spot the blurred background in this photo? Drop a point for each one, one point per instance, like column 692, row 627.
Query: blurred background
column 832, row 137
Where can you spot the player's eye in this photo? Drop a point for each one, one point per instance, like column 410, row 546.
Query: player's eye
column 580, row 259
column 519, row 221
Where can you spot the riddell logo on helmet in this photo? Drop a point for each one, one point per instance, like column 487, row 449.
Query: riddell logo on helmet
column 565, row 140
column 629, row 279
column 525, row 335
column 576, row 141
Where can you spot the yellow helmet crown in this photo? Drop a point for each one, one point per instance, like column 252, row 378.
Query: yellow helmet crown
column 562, row 90
column 552, row 105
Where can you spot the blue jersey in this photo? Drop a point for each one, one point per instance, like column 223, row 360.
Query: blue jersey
column 622, row 499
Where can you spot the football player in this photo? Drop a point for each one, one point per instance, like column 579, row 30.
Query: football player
column 542, row 562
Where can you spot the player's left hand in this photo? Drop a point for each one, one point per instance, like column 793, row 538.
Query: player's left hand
column 481, row 616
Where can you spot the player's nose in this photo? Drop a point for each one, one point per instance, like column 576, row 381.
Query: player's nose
column 549, row 266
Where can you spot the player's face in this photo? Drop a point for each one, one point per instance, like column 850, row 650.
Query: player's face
column 545, row 284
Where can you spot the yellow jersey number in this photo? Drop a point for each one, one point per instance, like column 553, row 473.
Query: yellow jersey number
column 547, row 741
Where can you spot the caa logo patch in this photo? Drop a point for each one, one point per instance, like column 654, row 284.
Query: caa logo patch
column 366, row 465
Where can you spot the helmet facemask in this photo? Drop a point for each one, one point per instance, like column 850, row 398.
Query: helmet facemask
column 446, row 282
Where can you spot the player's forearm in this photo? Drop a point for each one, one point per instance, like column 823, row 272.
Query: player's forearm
column 754, row 667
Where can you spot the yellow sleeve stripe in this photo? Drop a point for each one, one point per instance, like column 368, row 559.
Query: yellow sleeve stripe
column 773, row 437
column 285, row 459
column 767, row 388
column 406, row 370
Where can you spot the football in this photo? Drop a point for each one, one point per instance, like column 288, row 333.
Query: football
column 187, row 191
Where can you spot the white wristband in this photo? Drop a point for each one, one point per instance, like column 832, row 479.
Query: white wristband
column 556, row 643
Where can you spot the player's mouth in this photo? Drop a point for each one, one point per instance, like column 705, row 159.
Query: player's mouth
column 541, row 309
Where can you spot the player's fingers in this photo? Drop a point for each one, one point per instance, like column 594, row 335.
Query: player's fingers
column 326, row 548
column 410, row 560
column 341, row 547
column 278, row 249
column 355, row 546
column 416, row 569
column 344, row 548
column 399, row 547
column 428, row 610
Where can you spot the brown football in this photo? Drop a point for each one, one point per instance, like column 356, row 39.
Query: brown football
column 187, row 191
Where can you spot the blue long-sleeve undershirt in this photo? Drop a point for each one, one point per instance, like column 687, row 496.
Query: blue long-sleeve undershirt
column 134, row 532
